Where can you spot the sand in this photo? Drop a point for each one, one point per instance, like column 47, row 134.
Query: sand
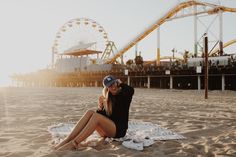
column 209, row 124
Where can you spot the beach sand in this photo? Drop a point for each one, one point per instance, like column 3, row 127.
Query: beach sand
column 209, row 124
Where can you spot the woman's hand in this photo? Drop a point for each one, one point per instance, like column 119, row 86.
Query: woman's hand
column 100, row 102
column 118, row 82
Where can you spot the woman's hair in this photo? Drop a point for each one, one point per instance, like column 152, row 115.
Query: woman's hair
column 107, row 104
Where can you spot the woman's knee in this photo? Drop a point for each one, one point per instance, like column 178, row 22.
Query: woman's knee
column 96, row 117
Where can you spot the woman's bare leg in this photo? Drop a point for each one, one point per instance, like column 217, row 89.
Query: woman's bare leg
column 108, row 127
column 100, row 132
column 77, row 129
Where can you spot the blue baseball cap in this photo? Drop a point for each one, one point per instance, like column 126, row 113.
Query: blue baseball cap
column 108, row 80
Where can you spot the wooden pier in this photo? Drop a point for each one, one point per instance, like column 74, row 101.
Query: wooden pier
column 222, row 78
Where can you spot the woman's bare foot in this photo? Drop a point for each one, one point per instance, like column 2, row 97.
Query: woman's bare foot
column 58, row 146
column 69, row 146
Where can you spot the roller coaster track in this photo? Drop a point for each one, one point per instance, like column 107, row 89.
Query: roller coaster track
column 216, row 51
column 213, row 10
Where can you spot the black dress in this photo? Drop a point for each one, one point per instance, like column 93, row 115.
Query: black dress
column 120, row 109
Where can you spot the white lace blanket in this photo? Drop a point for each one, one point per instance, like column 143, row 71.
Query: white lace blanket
column 138, row 136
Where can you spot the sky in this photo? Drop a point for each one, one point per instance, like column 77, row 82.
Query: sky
column 28, row 29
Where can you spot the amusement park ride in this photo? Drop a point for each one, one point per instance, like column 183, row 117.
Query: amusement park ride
column 96, row 40
column 82, row 46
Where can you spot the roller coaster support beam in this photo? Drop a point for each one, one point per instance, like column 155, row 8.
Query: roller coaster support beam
column 206, row 64
column 221, row 33
column 158, row 47
column 195, row 31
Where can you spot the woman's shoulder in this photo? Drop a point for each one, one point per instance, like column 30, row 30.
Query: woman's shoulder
column 126, row 89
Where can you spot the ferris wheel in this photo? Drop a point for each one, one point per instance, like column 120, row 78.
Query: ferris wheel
column 77, row 32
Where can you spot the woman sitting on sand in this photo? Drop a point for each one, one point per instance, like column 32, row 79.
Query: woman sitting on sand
column 110, row 119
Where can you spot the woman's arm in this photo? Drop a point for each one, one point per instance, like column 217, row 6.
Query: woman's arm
column 100, row 102
column 126, row 89
column 101, row 106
